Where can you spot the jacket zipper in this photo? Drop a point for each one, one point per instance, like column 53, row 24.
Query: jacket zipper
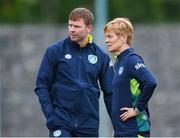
column 80, row 58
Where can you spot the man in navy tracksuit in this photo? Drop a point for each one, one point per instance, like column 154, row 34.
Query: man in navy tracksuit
column 133, row 83
column 68, row 80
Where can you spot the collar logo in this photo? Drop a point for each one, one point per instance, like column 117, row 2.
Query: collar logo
column 121, row 69
column 68, row 56
column 92, row 59
column 57, row 133
column 111, row 63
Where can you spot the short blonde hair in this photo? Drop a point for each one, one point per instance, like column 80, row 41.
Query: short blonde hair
column 121, row 26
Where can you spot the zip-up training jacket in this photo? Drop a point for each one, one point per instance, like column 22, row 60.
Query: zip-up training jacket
column 67, row 84
column 133, row 86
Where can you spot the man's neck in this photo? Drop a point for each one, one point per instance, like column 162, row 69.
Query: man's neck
column 83, row 43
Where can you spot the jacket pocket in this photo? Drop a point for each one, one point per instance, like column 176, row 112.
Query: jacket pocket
column 53, row 121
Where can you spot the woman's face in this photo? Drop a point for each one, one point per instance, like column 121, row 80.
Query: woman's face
column 113, row 41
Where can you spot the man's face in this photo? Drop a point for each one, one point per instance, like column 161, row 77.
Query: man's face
column 78, row 31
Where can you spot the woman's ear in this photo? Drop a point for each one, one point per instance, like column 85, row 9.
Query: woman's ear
column 124, row 38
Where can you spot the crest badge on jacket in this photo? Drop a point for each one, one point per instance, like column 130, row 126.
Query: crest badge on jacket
column 92, row 59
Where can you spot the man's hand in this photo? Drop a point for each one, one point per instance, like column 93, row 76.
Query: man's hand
column 129, row 112
column 113, row 133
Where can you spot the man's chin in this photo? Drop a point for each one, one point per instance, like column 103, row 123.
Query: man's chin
column 73, row 39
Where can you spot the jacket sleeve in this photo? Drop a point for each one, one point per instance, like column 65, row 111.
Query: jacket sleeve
column 106, row 76
column 140, row 72
column 44, row 81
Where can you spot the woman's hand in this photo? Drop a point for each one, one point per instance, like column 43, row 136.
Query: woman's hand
column 129, row 112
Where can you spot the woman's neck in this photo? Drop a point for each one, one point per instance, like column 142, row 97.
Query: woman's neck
column 121, row 49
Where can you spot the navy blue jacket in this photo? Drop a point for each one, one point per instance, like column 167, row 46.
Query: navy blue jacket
column 133, row 86
column 67, row 84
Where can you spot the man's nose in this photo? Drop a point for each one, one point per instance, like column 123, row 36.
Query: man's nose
column 72, row 29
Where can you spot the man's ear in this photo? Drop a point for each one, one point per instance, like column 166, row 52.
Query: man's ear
column 90, row 27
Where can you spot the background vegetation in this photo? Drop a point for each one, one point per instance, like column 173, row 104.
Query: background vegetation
column 57, row 11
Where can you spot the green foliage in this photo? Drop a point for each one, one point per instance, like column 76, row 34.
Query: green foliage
column 142, row 11
column 39, row 11
column 57, row 11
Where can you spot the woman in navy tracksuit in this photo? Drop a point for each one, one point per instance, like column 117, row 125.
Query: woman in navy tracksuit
column 133, row 83
column 68, row 81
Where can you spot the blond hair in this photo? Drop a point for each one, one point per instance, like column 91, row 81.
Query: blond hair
column 121, row 27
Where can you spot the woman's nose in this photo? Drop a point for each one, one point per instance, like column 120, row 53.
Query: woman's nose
column 106, row 40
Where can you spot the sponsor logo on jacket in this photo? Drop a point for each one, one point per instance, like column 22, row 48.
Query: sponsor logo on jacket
column 139, row 65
